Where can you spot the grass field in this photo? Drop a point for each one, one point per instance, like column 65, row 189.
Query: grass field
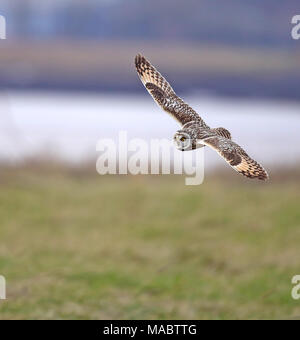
column 91, row 247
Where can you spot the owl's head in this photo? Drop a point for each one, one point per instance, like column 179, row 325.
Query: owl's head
column 183, row 141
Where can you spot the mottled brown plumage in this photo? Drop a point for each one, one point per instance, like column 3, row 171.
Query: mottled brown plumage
column 163, row 94
column 193, row 125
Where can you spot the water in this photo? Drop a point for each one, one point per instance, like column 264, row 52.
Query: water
column 69, row 125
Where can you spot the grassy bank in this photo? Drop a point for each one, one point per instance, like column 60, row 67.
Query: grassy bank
column 81, row 246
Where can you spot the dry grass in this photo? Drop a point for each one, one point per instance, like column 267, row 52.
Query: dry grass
column 76, row 245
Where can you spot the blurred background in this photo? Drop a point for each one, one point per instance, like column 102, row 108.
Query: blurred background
column 77, row 245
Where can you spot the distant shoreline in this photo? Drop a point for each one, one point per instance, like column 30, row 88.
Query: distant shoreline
column 108, row 67
column 283, row 88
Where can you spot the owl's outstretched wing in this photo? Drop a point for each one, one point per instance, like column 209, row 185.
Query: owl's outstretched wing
column 163, row 94
column 236, row 157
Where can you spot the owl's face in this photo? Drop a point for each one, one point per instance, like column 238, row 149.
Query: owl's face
column 183, row 141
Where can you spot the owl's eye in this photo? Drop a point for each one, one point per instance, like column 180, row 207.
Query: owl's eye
column 182, row 139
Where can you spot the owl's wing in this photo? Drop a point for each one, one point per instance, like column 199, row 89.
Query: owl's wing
column 236, row 157
column 163, row 94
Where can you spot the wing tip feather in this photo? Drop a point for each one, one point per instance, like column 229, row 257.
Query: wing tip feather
column 139, row 60
column 253, row 171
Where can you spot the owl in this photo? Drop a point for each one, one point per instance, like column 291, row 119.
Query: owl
column 194, row 132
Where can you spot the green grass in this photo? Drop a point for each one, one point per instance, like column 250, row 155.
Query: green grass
column 89, row 247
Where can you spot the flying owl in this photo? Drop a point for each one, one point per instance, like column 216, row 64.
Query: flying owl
column 195, row 133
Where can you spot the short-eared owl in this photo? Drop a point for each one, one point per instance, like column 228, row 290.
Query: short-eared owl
column 195, row 133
